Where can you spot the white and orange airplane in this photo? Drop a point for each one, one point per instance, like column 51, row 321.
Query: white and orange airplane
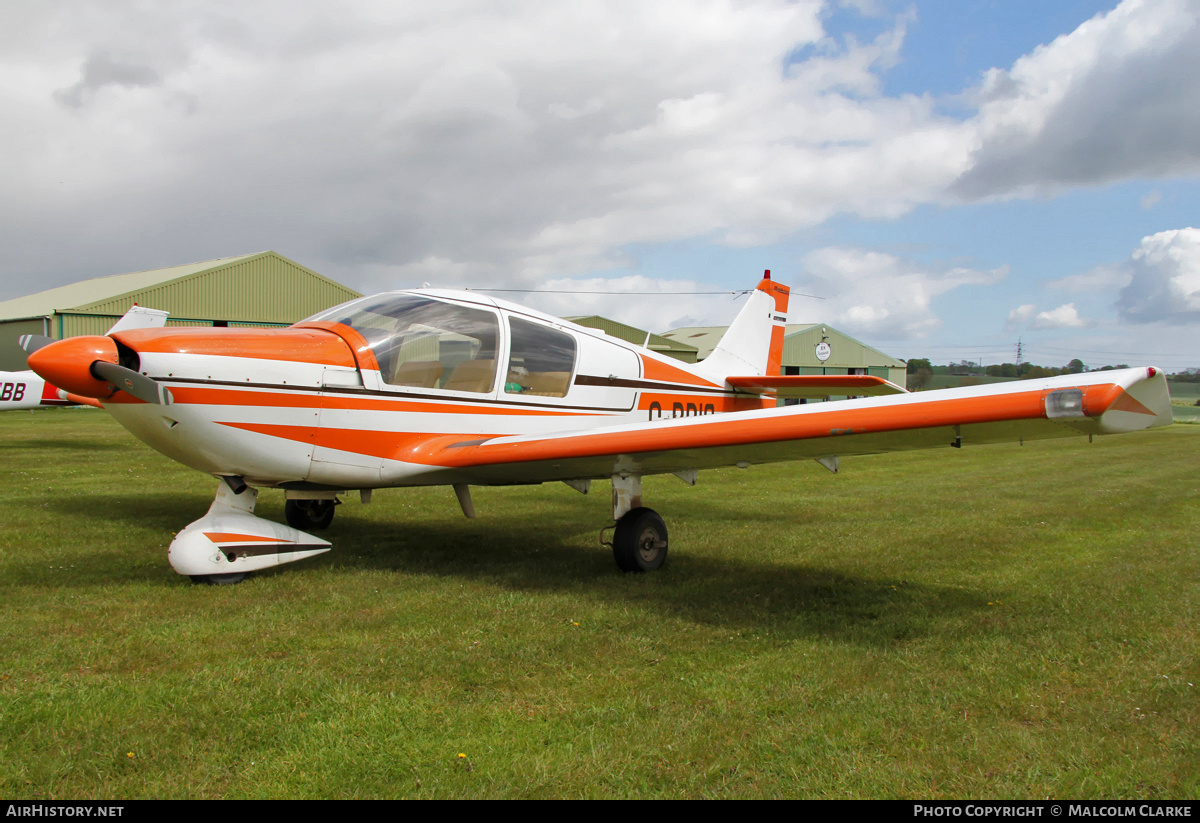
column 431, row 387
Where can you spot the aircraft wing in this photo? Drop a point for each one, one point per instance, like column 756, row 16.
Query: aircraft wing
column 816, row 385
column 1096, row 403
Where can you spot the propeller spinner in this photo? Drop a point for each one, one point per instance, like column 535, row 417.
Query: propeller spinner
column 88, row 366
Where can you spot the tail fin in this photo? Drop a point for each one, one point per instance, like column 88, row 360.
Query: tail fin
column 753, row 345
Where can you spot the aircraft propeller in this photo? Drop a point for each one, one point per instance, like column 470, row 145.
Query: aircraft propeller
column 127, row 380
column 88, row 366
column 32, row 342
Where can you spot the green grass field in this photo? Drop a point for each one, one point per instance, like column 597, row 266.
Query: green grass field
column 992, row 622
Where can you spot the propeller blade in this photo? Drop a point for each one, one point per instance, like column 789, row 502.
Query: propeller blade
column 140, row 386
column 32, row 342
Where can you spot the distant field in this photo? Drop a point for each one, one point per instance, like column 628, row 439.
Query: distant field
column 1183, row 402
column 1184, row 390
column 991, row 622
column 1185, row 413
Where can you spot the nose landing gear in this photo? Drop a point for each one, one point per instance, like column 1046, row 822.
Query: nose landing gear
column 309, row 514
column 229, row 541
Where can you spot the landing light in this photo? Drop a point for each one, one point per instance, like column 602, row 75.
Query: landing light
column 1064, row 403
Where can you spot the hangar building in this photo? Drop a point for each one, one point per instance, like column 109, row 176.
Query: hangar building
column 809, row 348
column 263, row 289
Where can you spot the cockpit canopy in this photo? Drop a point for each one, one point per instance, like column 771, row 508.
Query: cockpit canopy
column 426, row 343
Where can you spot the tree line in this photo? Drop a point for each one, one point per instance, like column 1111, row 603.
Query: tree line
column 921, row 371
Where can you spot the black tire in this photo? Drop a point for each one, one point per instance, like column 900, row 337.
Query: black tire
column 309, row 515
column 640, row 541
column 219, row 579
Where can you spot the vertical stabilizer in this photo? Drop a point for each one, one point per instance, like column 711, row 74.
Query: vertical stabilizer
column 753, row 345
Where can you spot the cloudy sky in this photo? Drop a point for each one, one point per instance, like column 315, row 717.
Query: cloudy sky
column 948, row 177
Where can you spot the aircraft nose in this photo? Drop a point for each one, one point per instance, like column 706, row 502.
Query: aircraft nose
column 68, row 364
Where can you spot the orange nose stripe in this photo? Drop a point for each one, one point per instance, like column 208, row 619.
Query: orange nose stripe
column 68, row 364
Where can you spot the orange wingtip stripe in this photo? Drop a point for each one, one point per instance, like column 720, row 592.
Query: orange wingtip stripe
column 1111, row 397
column 1127, row 403
column 231, row 537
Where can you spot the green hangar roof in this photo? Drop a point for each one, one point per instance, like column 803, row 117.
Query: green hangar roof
column 261, row 289
column 265, row 287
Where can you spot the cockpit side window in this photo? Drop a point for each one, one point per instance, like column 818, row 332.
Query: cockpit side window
column 426, row 343
column 541, row 360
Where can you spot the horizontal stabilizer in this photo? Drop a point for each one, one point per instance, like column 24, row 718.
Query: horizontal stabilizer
column 816, row 385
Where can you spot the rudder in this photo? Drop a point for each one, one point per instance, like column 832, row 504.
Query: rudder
column 753, row 343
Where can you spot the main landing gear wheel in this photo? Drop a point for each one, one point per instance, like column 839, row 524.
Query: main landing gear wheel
column 219, row 579
column 309, row 515
column 640, row 541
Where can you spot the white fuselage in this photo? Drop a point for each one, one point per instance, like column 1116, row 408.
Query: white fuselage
column 307, row 407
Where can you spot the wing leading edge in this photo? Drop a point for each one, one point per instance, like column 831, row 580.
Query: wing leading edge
column 1097, row 403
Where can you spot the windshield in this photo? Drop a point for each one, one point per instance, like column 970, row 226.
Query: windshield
column 425, row 343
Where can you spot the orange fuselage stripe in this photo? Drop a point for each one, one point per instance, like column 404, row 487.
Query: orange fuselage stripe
column 359, row 441
column 313, row 400
column 653, row 369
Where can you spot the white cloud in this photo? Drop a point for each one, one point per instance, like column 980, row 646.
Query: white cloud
column 1115, row 99
column 1097, row 279
column 1064, row 317
column 515, row 143
column 1164, row 282
column 1020, row 315
column 878, row 295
